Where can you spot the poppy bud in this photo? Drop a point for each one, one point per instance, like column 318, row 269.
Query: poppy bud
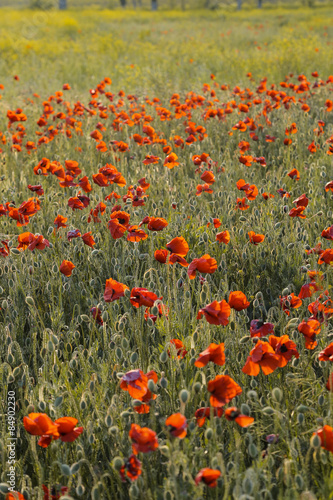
column 209, row 434
column 247, row 485
column 315, row 441
column 277, row 394
column 109, row 421
column 4, row 304
column 163, row 357
column 134, row 491
column 134, row 357
column 268, row 410
column 184, row 396
column 197, row 387
column 80, row 490
column 300, row 418
column 83, row 404
column 151, row 386
column 105, row 316
column 168, row 495
column 10, row 379
column 119, row 353
column 164, row 450
column 30, row 301
column 127, row 294
column 163, row 383
column 253, row 451
column 245, row 409
column 321, row 400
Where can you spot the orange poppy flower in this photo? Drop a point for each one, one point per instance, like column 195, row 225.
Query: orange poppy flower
column 180, row 348
column 15, row 495
column 4, row 251
column 39, row 424
column 67, row 430
column 66, row 267
column 241, row 204
column 205, row 264
column 131, row 469
column 136, row 383
column 171, row 161
column 237, row 300
column 329, row 186
column 177, row 424
column 223, row 389
column 310, row 329
column 312, row 147
column 327, row 353
column 157, row 223
column 283, row 347
column 143, row 439
column 161, row 255
column 142, row 297
column 302, row 201
column 136, row 234
column 85, row 184
column 88, row 239
column 59, row 221
column 308, row 290
column 223, row 237
column 208, row 177
column 290, row 301
column 75, row 203
column 328, row 233
column 208, row 476
column 326, row 256
column 216, row 313
column 214, row 353
column 294, row 174
column 175, row 258
column 233, row 414
column 326, row 437
column 114, row 290
column 260, row 329
column 297, row 212
column 178, row 245
column 202, row 413
column 262, row 355
column 255, row 238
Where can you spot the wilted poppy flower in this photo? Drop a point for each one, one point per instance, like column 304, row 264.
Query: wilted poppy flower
column 151, row 160
column 143, row 439
column 74, row 233
column 262, row 355
column 260, row 329
column 88, row 239
column 234, row 414
column 214, row 353
column 202, row 413
column 256, row 238
column 180, row 348
column 223, row 389
column 177, row 425
column 131, row 469
column 66, row 267
column 4, row 251
column 216, row 313
column 310, row 329
column 179, row 246
column 223, row 237
column 136, row 383
column 142, row 297
column 238, row 301
column 96, row 314
column 290, row 301
column 327, row 353
column 205, row 264
column 208, row 477
column 114, row 290
column 67, row 430
column 38, row 189
column 283, row 347
column 326, row 437
column 75, row 203
column 59, row 221
column 297, row 212
column 308, row 290
column 283, row 193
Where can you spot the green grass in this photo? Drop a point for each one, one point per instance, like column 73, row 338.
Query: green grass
column 55, row 356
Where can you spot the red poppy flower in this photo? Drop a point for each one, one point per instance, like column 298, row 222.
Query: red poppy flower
column 171, row 161
column 14, row 495
column 238, row 301
column 233, row 414
column 216, row 313
column 294, row 174
column 205, row 264
column 161, row 255
column 260, row 329
column 256, row 238
column 114, row 290
column 327, row 353
column 157, row 223
column 143, row 439
column 131, row 469
column 241, row 204
column 223, row 389
column 142, row 297
column 4, row 251
column 283, row 347
column 74, row 233
column 136, row 383
column 223, row 237
column 202, row 413
column 75, row 203
column 180, row 348
column 66, row 267
column 326, row 437
column 310, row 329
column 308, row 290
column 326, row 256
column 59, row 221
column 290, row 301
column 214, row 353
column 136, row 234
column 297, row 212
column 203, row 188
column 67, row 430
column 177, row 425
column 302, row 201
column 208, row 477
column 262, row 355
column 179, row 246
column 38, row 189
column 175, row 258
column 96, row 314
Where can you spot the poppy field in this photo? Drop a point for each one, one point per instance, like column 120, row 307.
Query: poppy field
column 166, row 228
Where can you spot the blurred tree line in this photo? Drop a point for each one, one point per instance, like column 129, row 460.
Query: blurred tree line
column 155, row 4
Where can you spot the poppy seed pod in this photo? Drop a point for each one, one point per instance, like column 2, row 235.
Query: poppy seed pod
column 184, row 396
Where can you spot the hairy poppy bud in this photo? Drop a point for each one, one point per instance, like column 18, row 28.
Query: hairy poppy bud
column 163, row 383
column 184, row 396
column 197, row 387
column 315, row 441
column 30, row 301
column 163, row 357
column 277, row 394
column 209, row 434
